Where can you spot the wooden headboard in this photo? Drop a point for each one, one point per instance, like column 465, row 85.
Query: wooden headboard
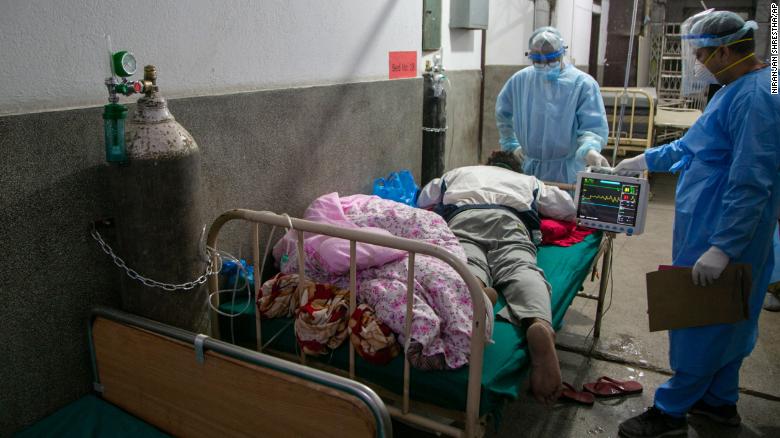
column 160, row 380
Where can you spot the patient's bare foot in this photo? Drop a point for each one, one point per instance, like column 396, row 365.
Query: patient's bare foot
column 545, row 370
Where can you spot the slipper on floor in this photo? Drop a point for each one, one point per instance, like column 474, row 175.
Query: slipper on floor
column 571, row 394
column 609, row 387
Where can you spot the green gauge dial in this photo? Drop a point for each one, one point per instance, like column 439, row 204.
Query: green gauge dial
column 124, row 63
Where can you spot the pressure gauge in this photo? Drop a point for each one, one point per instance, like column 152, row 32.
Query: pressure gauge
column 124, row 63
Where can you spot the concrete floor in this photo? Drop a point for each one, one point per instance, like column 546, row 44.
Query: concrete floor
column 631, row 352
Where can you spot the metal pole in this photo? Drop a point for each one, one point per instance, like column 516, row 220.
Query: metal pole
column 624, row 96
column 606, row 267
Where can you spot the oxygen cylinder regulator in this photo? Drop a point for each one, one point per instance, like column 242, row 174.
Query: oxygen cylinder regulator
column 122, row 65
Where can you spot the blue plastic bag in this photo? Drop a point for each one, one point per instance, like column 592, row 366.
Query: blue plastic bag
column 246, row 275
column 398, row 186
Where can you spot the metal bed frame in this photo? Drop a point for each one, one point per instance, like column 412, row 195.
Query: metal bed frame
column 473, row 424
column 629, row 142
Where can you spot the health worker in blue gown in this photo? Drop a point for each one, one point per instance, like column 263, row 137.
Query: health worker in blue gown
column 553, row 113
column 726, row 209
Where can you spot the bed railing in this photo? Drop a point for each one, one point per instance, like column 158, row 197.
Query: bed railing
column 413, row 247
column 637, row 133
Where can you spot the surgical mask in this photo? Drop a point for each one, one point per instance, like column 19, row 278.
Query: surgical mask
column 703, row 74
column 551, row 71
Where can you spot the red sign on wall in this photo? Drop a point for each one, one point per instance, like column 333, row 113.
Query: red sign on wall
column 403, row 65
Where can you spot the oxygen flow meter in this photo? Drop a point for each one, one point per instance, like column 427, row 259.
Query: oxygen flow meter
column 122, row 64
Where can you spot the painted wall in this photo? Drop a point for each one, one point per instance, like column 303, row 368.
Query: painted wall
column 573, row 19
column 511, row 24
column 460, row 48
column 54, row 53
column 603, row 37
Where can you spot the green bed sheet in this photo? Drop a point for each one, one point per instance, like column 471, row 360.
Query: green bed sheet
column 505, row 360
column 90, row 416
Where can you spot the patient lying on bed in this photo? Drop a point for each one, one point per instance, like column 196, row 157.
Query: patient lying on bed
column 493, row 211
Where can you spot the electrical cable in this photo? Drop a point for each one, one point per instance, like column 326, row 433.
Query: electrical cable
column 221, row 256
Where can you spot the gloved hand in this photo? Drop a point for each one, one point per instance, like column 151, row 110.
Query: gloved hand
column 595, row 159
column 519, row 154
column 709, row 266
column 631, row 165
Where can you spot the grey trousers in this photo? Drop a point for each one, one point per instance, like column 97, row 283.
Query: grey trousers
column 501, row 254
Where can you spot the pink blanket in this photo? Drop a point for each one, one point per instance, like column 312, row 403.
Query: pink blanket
column 442, row 309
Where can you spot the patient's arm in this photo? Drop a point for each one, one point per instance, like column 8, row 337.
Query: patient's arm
column 431, row 194
column 555, row 203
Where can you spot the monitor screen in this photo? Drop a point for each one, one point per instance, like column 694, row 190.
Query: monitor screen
column 610, row 201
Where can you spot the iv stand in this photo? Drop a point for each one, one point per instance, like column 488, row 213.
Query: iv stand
column 624, row 96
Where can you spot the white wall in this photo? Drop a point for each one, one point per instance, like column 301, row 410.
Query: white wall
column 511, row 24
column 53, row 53
column 573, row 20
column 602, row 54
column 460, row 48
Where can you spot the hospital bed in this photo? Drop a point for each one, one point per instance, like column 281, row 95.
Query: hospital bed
column 671, row 122
column 636, row 132
column 155, row 379
column 452, row 402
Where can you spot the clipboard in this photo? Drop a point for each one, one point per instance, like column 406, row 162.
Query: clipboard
column 674, row 302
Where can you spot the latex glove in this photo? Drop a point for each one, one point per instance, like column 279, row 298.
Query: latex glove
column 709, row 266
column 595, row 159
column 519, row 154
column 631, row 165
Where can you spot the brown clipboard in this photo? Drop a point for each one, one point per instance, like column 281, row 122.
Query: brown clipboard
column 674, row 302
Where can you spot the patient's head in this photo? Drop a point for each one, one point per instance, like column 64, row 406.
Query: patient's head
column 507, row 160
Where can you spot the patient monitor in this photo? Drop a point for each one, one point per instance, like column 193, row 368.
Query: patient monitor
column 611, row 202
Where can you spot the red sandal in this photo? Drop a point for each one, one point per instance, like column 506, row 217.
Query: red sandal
column 609, row 387
column 571, row 394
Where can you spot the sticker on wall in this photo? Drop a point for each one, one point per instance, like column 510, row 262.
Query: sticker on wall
column 403, row 64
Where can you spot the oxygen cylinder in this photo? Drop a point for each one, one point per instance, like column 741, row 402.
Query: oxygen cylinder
column 159, row 218
column 434, row 125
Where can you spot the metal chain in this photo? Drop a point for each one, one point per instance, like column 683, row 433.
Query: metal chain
column 148, row 281
column 427, row 129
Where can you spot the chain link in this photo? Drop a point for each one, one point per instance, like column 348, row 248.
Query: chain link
column 148, row 281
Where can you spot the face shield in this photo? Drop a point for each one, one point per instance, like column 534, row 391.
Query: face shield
column 706, row 29
column 546, row 50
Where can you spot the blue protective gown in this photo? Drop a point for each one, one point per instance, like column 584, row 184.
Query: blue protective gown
column 728, row 195
column 775, row 277
column 556, row 122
